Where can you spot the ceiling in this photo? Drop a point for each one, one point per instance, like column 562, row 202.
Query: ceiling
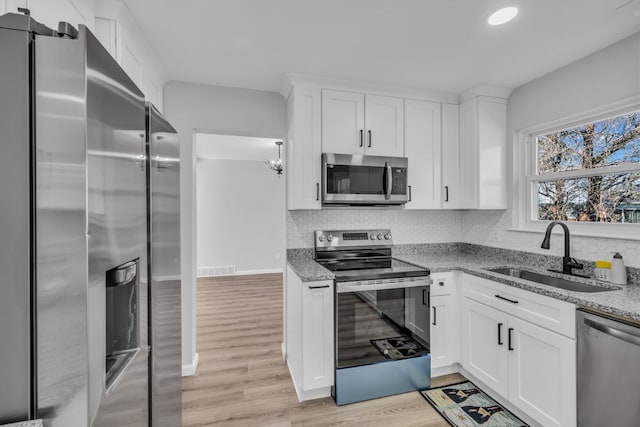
column 227, row 147
column 442, row 45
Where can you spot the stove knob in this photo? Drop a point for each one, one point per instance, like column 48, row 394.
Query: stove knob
column 330, row 237
column 321, row 238
column 372, row 237
column 387, row 236
column 379, row 236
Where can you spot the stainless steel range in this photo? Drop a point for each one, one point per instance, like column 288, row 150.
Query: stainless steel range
column 381, row 316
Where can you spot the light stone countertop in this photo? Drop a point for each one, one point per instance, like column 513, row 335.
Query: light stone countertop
column 473, row 259
column 34, row 423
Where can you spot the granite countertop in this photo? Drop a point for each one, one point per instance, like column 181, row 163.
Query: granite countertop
column 621, row 300
column 34, row 423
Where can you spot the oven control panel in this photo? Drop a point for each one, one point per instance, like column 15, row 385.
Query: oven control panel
column 352, row 238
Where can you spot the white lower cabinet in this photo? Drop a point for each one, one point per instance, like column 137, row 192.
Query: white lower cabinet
column 533, row 367
column 484, row 348
column 443, row 321
column 542, row 374
column 309, row 341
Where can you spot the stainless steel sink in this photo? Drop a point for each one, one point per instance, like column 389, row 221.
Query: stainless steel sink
column 556, row 282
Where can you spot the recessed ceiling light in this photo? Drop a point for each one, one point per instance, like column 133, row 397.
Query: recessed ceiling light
column 502, row 16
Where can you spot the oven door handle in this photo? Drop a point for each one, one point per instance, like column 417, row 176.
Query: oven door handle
column 360, row 287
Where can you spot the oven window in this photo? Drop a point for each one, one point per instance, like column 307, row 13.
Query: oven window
column 344, row 179
column 380, row 325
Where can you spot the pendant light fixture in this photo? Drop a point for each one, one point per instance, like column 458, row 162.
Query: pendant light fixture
column 276, row 165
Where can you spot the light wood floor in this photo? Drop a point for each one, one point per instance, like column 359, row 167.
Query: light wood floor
column 242, row 379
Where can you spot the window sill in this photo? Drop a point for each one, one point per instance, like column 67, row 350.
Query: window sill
column 596, row 231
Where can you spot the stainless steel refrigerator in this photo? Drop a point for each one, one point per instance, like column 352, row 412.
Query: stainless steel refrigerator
column 74, row 311
column 165, row 335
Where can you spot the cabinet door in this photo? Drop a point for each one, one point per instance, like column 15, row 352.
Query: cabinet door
column 468, row 163
column 542, row 373
column 484, row 334
column 50, row 12
column 492, row 153
column 450, row 188
column 417, row 312
column 342, row 122
column 317, row 335
column 384, row 125
column 422, row 146
column 303, row 149
column 444, row 336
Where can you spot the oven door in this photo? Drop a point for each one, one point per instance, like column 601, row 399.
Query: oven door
column 364, row 180
column 382, row 320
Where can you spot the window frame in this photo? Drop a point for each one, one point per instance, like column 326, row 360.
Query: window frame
column 525, row 177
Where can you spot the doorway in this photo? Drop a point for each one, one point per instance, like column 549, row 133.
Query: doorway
column 240, row 206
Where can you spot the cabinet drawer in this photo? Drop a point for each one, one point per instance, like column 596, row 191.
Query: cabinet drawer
column 443, row 284
column 549, row 313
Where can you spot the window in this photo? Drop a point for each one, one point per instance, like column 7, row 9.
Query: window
column 589, row 172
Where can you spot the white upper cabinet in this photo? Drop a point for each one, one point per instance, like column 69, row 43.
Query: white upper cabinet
column 119, row 33
column 7, row 6
column 384, row 124
column 342, row 122
column 483, row 147
column 450, row 189
column 303, row 149
column 423, row 149
column 50, row 12
column 355, row 123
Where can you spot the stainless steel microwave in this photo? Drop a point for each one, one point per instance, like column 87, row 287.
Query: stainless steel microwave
column 363, row 180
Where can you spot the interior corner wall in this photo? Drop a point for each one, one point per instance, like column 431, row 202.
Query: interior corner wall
column 605, row 77
column 194, row 107
column 240, row 215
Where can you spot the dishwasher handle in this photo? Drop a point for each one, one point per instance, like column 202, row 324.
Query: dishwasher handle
column 617, row 333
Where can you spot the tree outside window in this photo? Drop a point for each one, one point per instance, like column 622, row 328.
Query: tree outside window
column 590, row 172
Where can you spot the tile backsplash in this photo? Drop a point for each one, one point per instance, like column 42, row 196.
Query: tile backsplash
column 490, row 228
column 406, row 226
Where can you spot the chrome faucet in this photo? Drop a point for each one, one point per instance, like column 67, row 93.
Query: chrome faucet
column 568, row 263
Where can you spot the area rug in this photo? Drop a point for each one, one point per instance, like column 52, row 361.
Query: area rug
column 396, row 348
column 464, row 404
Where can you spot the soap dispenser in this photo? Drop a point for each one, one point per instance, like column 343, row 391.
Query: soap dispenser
column 618, row 270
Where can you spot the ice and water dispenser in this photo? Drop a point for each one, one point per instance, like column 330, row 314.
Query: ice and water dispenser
column 122, row 341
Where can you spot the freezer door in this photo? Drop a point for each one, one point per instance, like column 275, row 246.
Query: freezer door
column 61, row 223
column 117, row 227
column 15, row 234
column 165, row 284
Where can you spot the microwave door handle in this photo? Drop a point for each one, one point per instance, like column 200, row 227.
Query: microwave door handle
column 389, row 180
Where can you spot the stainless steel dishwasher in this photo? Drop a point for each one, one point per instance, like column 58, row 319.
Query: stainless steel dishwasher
column 608, row 374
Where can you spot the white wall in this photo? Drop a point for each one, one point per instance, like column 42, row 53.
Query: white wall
column 220, row 110
column 240, row 215
column 605, row 77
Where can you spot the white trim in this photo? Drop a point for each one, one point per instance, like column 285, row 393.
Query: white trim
column 189, row 370
column 525, row 177
column 283, row 348
column 293, row 79
column 266, row 271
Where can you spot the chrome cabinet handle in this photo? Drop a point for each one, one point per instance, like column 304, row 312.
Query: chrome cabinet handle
column 446, row 193
column 320, row 287
column 317, row 191
column 512, row 301
column 361, row 137
column 369, row 138
column 408, row 186
column 434, row 316
column 500, row 334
